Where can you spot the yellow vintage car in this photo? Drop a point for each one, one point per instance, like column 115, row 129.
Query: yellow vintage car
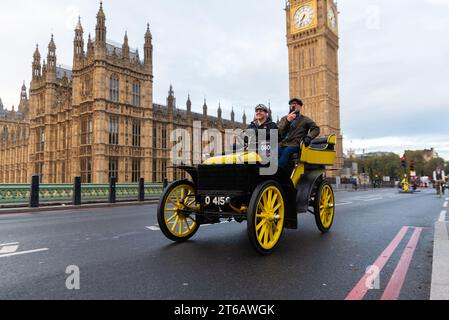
column 231, row 187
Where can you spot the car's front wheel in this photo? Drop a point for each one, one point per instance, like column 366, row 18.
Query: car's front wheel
column 175, row 213
column 266, row 216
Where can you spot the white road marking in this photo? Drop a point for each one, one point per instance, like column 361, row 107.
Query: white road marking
column 8, row 244
column 156, row 228
column 374, row 199
column 8, row 249
column 445, row 204
column 443, row 216
column 343, row 204
column 23, row 252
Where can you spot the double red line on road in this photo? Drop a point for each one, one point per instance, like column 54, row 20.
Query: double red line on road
column 397, row 279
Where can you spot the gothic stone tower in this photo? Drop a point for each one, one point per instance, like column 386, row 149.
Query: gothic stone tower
column 312, row 40
column 112, row 107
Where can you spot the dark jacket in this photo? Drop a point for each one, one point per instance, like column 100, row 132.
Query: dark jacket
column 293, row 133
column 268, row 125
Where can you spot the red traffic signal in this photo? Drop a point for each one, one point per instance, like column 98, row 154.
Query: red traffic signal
column 404, row 161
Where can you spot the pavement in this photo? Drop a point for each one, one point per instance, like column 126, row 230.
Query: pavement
column 440, row 272
column 381, row 247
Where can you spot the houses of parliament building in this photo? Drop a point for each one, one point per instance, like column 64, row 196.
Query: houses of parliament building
column 96, row 120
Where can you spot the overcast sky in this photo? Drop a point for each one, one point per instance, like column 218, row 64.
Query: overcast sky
column 394, row 58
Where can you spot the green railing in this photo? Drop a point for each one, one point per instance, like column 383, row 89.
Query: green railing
column 20, row 193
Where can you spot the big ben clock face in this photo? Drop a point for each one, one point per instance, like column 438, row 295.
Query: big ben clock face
column 332, row 19
column 304, row 17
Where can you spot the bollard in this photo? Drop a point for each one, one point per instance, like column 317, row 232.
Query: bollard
column 141, row 190
column 112, row 190
column 34, row 192
column 165, row 185
column 76, row 201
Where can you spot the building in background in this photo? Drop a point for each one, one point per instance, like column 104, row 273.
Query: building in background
column 312, row 40
column 96, row 119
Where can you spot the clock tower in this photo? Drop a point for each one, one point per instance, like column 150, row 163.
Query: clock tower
column 312, row 40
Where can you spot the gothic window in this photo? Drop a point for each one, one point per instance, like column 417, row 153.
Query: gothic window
column 164, row 138
column 114, row 88
column 86, row 170
column 86, row 131
column 113, row 168
column 5, row 133
column 40, row 144
column 164, row 169
column 87, row 86
column 155, row 175
column 113, row 130
column 136, row 133
column 136, row 170
column 154, row 137
column 136, row 94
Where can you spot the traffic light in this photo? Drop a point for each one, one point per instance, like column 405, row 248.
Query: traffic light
column 412, row 166
column 404, row 161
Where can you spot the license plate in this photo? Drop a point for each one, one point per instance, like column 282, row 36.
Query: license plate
column 216, row 200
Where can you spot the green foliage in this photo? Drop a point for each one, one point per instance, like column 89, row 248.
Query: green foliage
column 382, row 166
column 390, row 165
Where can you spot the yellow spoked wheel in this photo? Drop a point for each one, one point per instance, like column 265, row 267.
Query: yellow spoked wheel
column 266, row 217
column 176, row 209
column 324, row 207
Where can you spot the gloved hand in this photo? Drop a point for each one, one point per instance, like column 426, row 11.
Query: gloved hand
column 307, row 141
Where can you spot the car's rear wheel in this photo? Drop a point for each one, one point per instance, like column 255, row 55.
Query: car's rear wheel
column 175, row 213
column 266, row 216
column 324, row 207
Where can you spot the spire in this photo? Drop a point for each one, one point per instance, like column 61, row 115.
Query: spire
column 125, row 41
column 219, row 112
column 205, row 108
column 125, row 47
column 148, row 47
column 78, row 43
column 51, row 45
column 171, row 100
column 232, row 115
column 79, row 27
column 90, row 45
column 101, row 27
column 100, row 14
column 51, row 57
column 36, row 69
column 37, row 54
column 189, row 104
column 244, row 118
column 1, row 104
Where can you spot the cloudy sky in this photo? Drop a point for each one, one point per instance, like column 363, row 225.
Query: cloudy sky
column 394, row 58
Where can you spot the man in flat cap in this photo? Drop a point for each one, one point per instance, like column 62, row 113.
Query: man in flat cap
column 262, row 124
column 294, row 129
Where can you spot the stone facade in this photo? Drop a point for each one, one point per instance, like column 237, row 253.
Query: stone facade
column 312, row 39
column 96, row 119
